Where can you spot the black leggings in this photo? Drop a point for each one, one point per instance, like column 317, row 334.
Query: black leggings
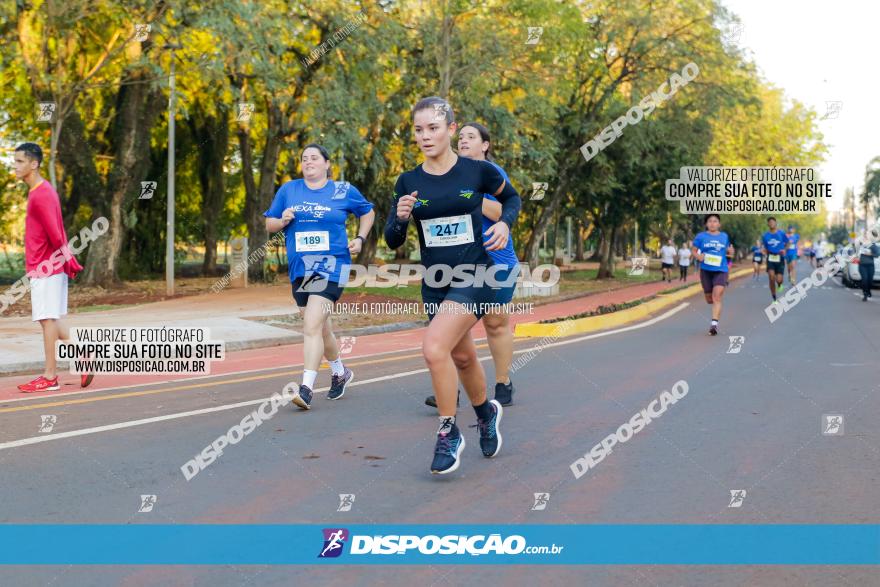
column 867, row 273
column 683, row 271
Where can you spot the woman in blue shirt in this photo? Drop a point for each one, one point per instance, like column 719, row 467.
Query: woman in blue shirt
column 710, row 248
column 312, row 212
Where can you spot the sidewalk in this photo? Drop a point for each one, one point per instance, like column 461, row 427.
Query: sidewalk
column 250, row 344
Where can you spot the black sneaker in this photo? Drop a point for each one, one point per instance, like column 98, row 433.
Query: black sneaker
column 490, row 433
column 303, row 397
column 447, row 451
column 432, row 401
column 713, row 330
column 504, row 393
column 338, row 383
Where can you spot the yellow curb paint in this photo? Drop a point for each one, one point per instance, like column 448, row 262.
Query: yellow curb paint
column 606, row 321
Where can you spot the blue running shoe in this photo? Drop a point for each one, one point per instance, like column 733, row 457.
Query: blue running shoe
column 504, row 393
column 338, row 384
column 447, row 451
column 303, row 397
column 490, row 431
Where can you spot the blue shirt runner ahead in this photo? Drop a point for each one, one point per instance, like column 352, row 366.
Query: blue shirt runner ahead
column 714, row 247
column 507, row 255
column 792, row 248
column 774, row 242
column 316, row 239
column 757, row 254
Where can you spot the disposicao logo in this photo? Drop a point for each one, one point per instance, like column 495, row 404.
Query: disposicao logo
column 420, row 202
column 466, row 193
column 334, row 540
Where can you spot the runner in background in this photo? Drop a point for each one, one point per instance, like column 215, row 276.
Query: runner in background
column 312, row 212
column 757, row 259
column 684, row 261
column 867, row 252
column 791, row 254
column 45, row 245
column 821, row 251
column 444, row 196
column 810, row 252
column 474, row 142
column 774, row 242
column 710, row 248
column 667, row 260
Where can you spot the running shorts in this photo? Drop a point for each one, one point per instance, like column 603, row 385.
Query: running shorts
column 776, row 266
column 667, row 265
column 330, row 290
column 712, row 279
column 503, row 295
column 48, row 297
column 475, row 299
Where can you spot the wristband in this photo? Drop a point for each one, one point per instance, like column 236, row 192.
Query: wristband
column 363, row 240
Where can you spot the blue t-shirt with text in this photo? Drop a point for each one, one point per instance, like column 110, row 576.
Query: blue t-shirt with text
column 316, row 239
column 774, row 242
column 793, row 240
column 714, row 247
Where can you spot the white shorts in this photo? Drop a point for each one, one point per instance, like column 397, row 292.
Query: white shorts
column 48, row 297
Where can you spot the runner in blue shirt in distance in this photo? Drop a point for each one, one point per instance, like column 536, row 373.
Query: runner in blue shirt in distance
column 711, row 248
column 774, row 241
column 791, row 254
column 757, row 259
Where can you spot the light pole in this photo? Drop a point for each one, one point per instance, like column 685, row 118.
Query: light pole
column 169, row 221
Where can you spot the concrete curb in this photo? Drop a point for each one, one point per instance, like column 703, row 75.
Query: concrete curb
column 614, row 319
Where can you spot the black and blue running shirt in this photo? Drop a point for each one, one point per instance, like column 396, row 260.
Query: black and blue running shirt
column 448, row 213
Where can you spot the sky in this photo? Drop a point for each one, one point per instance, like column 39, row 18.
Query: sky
column 820, row 51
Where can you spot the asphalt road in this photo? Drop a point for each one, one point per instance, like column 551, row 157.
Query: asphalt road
column 751, row 420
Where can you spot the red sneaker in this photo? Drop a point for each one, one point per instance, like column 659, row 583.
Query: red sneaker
column 40, row 384
column 86, row 379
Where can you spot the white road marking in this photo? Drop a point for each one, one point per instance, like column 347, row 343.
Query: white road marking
column 197, row 378
column 143, row 421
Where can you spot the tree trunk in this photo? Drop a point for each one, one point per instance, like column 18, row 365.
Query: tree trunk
column 77, row 157
column 606, row 259
column 582, row 235
column 258, row 197
column 551, row 204
column 211, row 133
column 138, row 106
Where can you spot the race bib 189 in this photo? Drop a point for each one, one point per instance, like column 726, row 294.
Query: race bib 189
column 712, row 260
column 318, row 240
column 773, row 258
column 445, row 232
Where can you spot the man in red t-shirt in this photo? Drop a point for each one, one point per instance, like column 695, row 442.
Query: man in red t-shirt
column 48, row 262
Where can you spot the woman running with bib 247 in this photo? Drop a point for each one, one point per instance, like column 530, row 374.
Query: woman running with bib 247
column 474, row 143
column 711, row 248
column 312, row 212
column 444, row 197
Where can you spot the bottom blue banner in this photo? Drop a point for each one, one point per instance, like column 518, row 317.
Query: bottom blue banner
column 210, row 544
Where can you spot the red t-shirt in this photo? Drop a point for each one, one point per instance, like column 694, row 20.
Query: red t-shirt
column 44, row 233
